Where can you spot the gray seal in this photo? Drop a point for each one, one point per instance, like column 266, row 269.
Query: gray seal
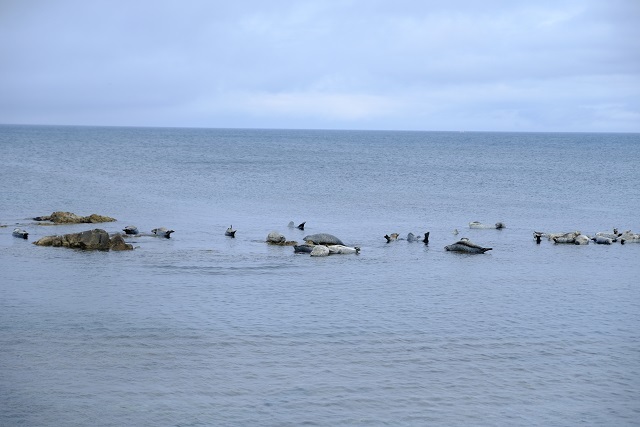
column 323, row 239
column 303, row 248
column 131, row 229
column 20, row 233
column 464, row 245
column 230, row 232
column 162, row 232
column 478, row 224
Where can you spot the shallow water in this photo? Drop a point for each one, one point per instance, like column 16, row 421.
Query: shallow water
column 202, row 329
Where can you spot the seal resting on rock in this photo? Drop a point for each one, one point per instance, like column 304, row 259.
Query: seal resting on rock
column 320, row 250
column 464, row 245
column 131, row 229
column 601, row 240
column 341, row 249
column 477, row 224
column 581, row 240
column 564, row 237
column 629, row 237
column 20, row 233
column 323, row 239
column 163, row 232
column 306, row 248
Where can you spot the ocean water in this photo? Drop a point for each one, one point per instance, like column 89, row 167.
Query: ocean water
column 205, row 330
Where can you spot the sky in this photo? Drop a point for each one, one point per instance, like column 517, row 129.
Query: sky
column 450, row 65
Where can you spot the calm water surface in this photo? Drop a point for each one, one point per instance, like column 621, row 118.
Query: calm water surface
column 201, row 329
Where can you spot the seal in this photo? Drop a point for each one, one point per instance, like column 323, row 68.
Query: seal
column 570, row 238
column 163, row 232
column 479, row 225
column 601, row 240
column 629, row 237
column 464, row 245
column 613, row 236
column 391, row 237
column 322, row 239
column 306, row 248
column 553, row 236
column 341, row 249
column 320, row 250
column 230, row 232
column 20, row 233
column 299, row 226
column 413, row 238
column 131, row 229
column 581, row 240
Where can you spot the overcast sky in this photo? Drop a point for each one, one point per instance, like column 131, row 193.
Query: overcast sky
column 557, row 65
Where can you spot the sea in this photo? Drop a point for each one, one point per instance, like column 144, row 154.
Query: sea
column 202, row 329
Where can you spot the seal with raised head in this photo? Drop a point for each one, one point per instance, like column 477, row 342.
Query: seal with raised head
column 478, row 224
column 341, row 249
column 464, row 245
column 230, row 232
column 131, row 229
column 391, row 237
column 162, row 231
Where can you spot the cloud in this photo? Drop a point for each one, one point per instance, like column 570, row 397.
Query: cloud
column 494, row 65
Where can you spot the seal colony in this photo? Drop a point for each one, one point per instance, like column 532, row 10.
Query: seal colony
column 316, row 245
column 578, row 238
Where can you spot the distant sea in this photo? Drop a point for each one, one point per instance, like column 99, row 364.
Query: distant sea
column 206, row 330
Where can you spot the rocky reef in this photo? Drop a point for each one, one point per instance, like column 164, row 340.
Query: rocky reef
column 90, row 240
column 71, row 218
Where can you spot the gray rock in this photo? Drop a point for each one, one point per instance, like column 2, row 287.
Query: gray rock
column 276, row 238
column 89, row 240
column 71, row 218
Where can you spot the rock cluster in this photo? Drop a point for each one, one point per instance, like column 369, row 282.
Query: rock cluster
column 71, row 218
column 96, row 239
